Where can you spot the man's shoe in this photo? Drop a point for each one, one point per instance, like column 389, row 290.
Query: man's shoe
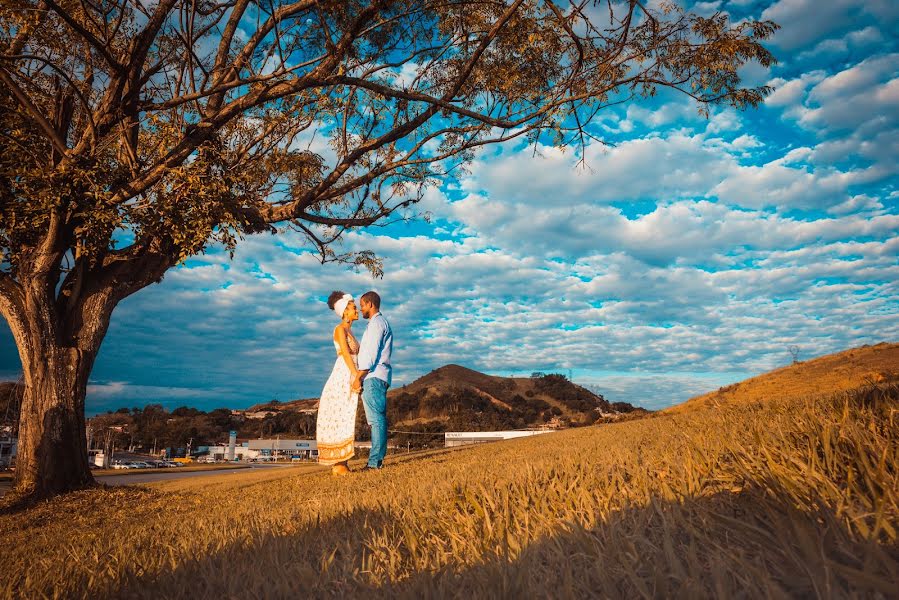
column 368, row 468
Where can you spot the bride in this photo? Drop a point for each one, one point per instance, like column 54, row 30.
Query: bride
column 335, row 429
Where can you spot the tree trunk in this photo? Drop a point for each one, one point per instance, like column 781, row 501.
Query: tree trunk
column 52, row 451
column 57, row 349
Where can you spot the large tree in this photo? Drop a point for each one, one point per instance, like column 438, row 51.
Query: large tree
column 137, row 133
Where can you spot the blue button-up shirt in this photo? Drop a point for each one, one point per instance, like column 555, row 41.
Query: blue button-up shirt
column 375, row 349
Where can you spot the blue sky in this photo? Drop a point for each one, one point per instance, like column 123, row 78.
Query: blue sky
column 688, row 255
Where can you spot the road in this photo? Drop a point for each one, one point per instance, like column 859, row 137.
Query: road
column 150, row 475
column 154, row 475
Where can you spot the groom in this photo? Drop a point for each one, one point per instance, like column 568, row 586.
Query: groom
column 375, row 370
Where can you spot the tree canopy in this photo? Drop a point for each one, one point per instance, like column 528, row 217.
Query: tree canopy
column 137, row 133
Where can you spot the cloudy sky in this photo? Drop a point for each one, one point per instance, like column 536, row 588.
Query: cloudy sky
column 690, row 254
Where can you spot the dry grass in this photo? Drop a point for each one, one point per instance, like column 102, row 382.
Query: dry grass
column 781, row 499
column 840, row 372
column 9, row 476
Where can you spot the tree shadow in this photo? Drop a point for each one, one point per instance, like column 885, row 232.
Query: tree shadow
column 745, row 544
column 14, row 503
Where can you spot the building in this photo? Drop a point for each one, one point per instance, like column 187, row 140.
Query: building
column 283, row 448
column 241, row 452
column 96, row 456
column 465, row 438
column 7, row 450
column 276, row 448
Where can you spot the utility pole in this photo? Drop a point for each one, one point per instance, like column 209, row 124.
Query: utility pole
column 189, row 442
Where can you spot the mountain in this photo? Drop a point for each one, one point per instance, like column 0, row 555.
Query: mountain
column 464, row 399
column 828, row 374
column 455, row 398
column 303, row 405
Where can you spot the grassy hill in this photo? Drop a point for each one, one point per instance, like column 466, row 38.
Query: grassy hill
column 838, row 372
column 455, row 398
column 467, row 399
column 304, row 404
column 784, row 498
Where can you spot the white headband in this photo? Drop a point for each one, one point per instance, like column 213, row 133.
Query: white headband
column 340, row 305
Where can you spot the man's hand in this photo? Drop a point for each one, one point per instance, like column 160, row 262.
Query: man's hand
column 357, row 383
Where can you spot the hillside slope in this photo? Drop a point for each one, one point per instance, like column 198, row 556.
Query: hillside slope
column 464, row 398
column 786, row 500
column 454, row 397
column 828, row 374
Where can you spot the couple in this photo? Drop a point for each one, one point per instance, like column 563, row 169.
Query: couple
column 359, row 367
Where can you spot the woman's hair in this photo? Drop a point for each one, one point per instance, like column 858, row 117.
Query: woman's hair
column 334, row 297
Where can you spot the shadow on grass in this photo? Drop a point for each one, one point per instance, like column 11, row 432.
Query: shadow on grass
column 745, row 544
column 13, row 502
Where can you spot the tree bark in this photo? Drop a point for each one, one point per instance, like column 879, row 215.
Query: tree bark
column 52, row 450
column 57, row 349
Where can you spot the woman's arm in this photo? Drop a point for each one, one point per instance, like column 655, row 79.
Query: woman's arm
column 340, row 338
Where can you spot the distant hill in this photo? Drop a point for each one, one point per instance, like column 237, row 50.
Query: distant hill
column 302, row 405
column 828, row 374
column 461, row 398
column 457, row 398
column 451, row 398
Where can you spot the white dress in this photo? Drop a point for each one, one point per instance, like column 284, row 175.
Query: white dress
column 336, row 425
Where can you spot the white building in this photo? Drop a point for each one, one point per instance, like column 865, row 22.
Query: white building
column 465, row 438
column 282, row 448
column 7, row 450
column 241, row 452
column 277, row 448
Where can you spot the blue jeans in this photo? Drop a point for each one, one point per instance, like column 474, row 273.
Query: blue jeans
column 374, row 400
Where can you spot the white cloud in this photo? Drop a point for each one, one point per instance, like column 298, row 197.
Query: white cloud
column 790, row 93
column 857, row 204
column 671, row 262
column 804, row 21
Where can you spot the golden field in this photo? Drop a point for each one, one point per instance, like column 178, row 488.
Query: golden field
column 116, row 473
column 839, row 372
column 784, row 498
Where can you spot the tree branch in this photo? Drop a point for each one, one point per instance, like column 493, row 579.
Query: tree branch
column 413, row 124
column 35, row 113
column 98, row 45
